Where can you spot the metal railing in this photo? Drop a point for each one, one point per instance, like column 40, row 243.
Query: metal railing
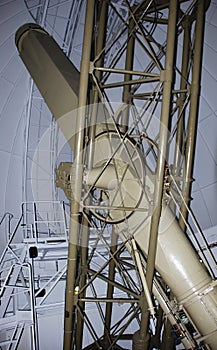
column 44, row 221
column 6, row 222
column 39, row 224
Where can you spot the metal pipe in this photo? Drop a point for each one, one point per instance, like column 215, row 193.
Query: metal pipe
column 156, row 340
column 91, row 134
column 130, row 82
column 149, row 94
column 168, row 339
column 110, row 289
column 34, row 327
column 82, row 281
column 99, row 63
column 183, row 86
column 78, row 176
column 128, row 71
column 128, row 75
column 143, row 279
column 162, row 152
column 107, row 300
column 193, row 114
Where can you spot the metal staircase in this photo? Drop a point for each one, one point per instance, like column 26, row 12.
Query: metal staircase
column 39, row 237
column 14, row 335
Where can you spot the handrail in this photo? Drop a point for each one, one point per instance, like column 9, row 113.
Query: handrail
column 10, row 239
column 4, row 217
column 12, row 234
column 35, row 211
column 15, row 337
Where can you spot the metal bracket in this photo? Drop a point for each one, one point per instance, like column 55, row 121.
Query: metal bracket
column 63, row 178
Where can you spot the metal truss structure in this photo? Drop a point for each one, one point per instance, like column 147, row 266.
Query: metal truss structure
column 133, row 278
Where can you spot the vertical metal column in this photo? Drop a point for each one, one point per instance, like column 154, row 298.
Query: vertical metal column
column 83, row 251
column 77, row 183
column 91, row 134
column 193, row 114
column 141, row 339
column 183, row 85
column 110, row 290
column 128, row 66
column 98, row 63
column 34, row 328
